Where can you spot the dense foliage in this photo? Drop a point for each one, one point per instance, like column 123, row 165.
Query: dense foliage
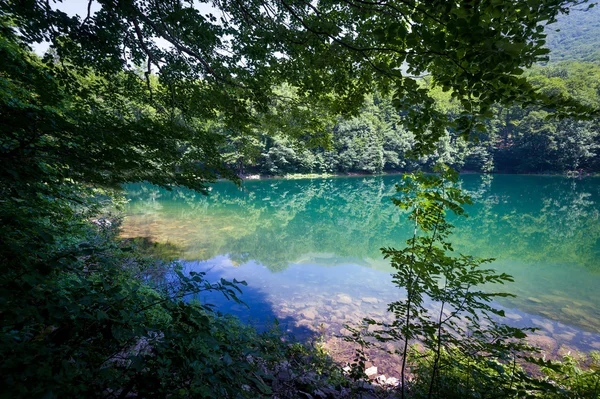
column 228, row 58
column 516, row 140
column 143, row 90
column 84, row 313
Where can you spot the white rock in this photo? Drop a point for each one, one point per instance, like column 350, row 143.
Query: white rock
column 371, row 371
column 381, row 380
column 392, row 381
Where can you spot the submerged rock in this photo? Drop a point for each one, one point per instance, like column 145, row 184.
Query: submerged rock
column 513, row 316
column 344, row 331
column 308, row 313
column 369, row 299
column 545, row 343
column 544, row 324
column 566, row 336
column 305, row 323
column 595, row 345
column 373, row 328
column 568, row 350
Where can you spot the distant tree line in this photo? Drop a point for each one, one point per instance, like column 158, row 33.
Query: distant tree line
column 514, row 140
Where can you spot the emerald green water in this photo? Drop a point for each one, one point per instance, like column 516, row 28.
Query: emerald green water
column 309, row 249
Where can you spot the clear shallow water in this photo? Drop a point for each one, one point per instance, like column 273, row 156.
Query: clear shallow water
column 309, row 249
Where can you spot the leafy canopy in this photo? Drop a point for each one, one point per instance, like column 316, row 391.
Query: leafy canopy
column 229, row 60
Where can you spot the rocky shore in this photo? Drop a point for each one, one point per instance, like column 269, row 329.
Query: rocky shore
column 327, row 318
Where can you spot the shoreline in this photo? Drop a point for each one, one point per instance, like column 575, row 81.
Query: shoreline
column 304, row 176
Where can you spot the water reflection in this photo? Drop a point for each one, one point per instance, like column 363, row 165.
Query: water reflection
column 545, row 231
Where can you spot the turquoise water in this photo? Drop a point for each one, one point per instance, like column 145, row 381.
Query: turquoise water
column 309, row 249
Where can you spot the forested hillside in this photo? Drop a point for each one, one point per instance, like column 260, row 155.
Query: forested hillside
column 513, row 140
column 576, row 36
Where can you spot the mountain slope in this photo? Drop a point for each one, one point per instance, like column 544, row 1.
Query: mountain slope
column 575, row 36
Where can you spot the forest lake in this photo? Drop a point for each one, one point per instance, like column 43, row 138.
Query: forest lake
column 309, row 250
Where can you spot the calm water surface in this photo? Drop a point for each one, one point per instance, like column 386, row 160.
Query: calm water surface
column 309, row 249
